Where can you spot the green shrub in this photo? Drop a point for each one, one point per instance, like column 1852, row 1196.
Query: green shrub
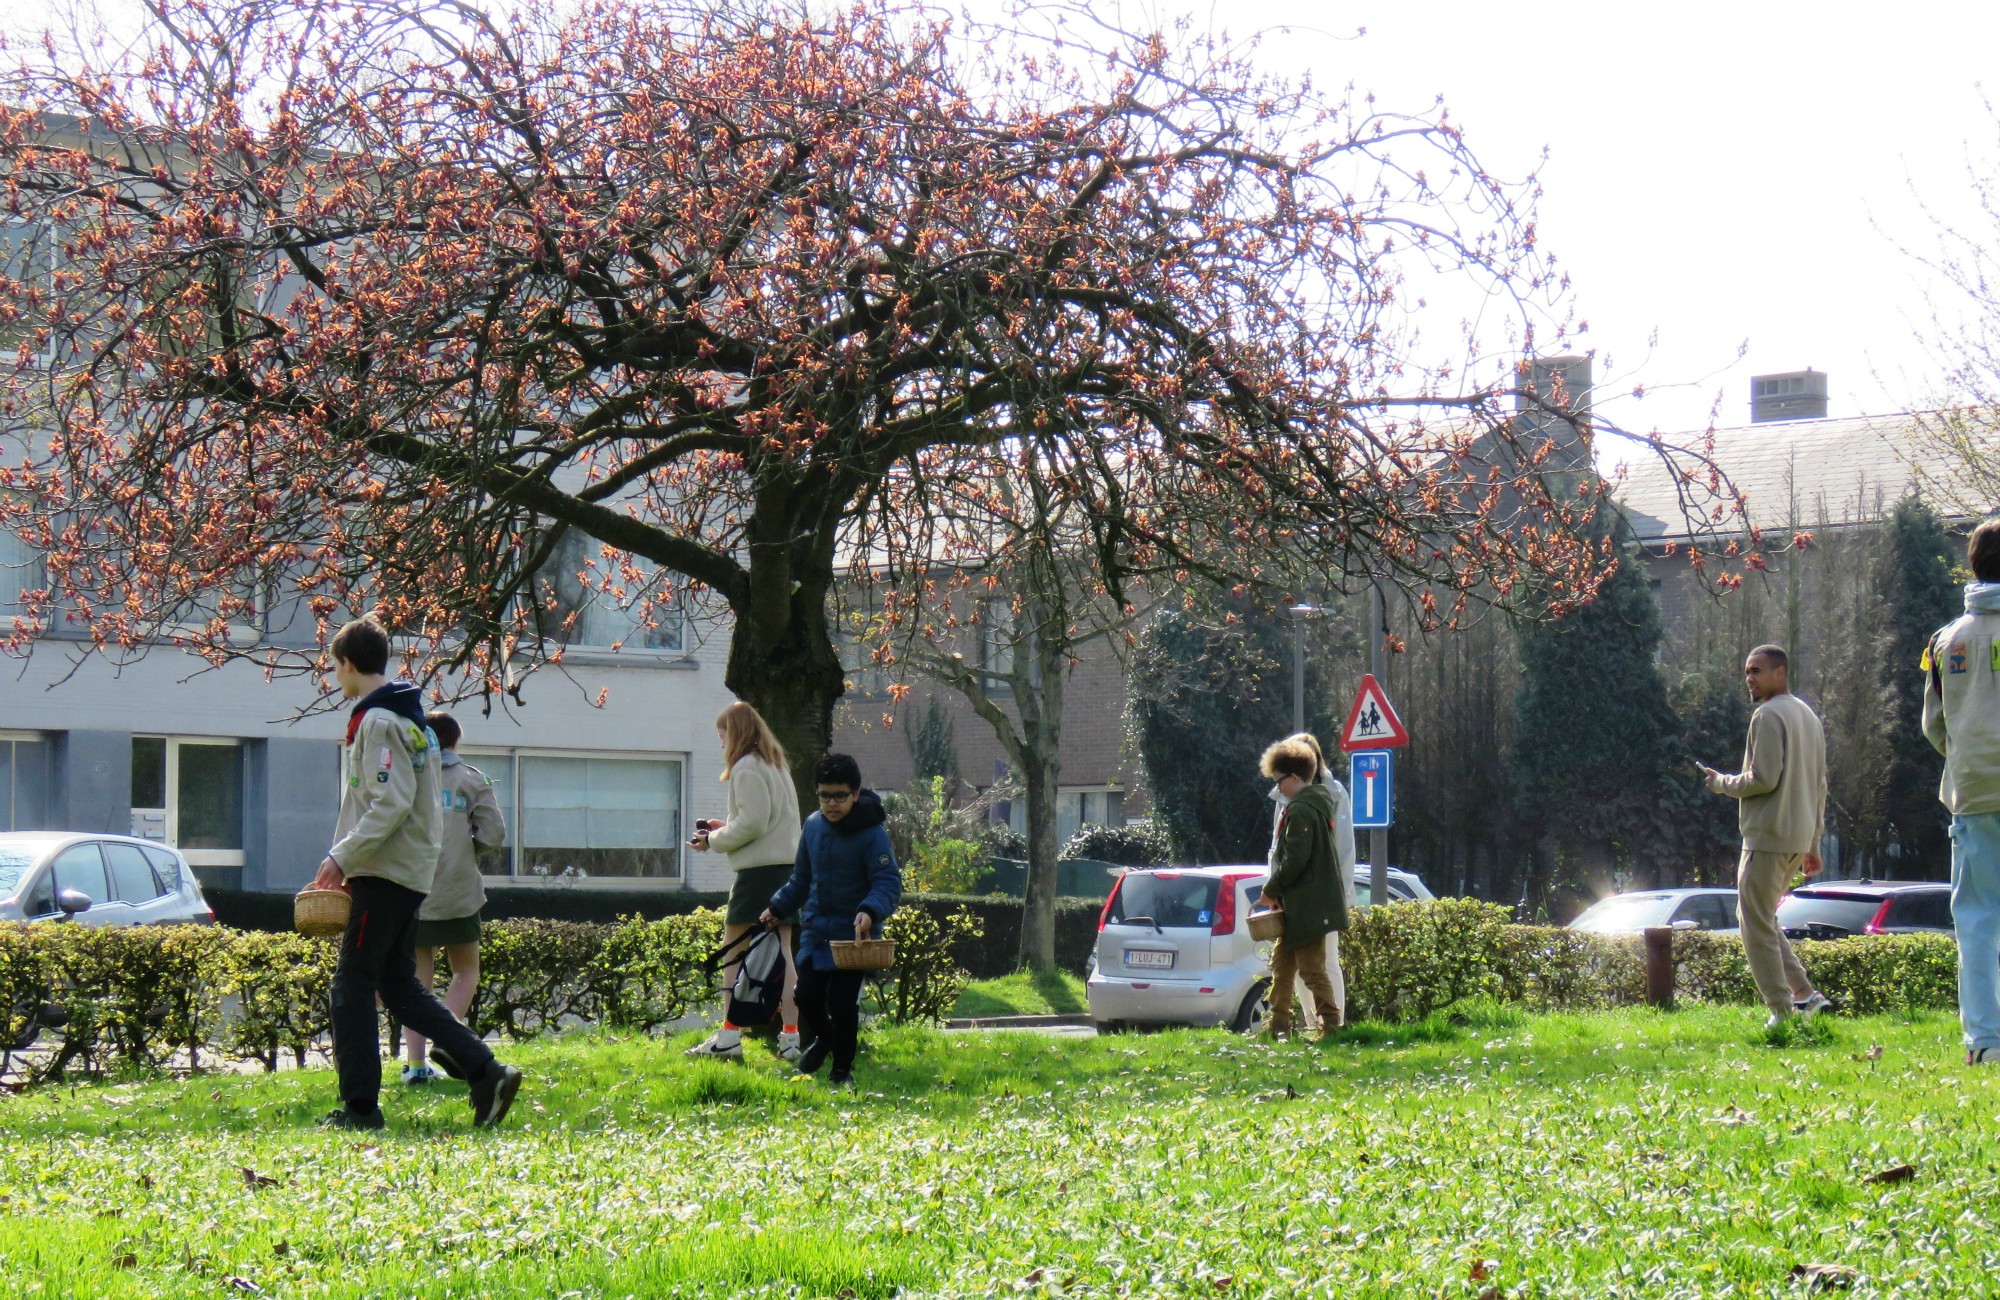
column 649, row 973
column 946, row 867
column 283, row 985
column 1405, row 960
column 926, row 981
column 1140, row 844
column 534, row 975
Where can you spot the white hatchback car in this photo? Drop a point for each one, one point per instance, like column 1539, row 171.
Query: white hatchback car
column 96, row 880
column 1173, row 947
column 1682, row 909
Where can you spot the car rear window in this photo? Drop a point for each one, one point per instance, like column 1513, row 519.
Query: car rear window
column 1168, row 898
column 1930, row 907
column 1849, row 912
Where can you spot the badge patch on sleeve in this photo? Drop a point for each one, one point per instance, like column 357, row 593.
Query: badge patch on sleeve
column 1956, row 659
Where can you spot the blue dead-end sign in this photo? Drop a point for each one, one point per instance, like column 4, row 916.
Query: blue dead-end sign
column 1371, row 782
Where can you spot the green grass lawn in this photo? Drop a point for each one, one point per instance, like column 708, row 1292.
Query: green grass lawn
column 1025, row 993
column 1634, row 1154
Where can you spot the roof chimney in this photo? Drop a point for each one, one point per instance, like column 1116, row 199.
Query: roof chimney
column 1794, row 395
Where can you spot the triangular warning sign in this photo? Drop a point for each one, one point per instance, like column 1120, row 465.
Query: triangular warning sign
column 1372, row 722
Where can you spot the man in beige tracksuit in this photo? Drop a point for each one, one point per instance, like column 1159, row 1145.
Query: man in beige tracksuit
column 1782, row 815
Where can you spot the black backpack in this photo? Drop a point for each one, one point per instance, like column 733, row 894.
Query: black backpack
column 760, row 979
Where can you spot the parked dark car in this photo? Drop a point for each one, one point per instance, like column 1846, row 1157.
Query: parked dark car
column 1835, row 909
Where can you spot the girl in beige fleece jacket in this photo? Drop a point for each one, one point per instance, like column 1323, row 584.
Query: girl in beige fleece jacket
column 760, row 838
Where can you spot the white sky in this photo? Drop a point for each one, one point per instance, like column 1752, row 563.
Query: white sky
column 1717, row 172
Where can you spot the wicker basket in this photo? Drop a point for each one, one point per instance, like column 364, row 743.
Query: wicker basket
column 321, row 913
column 864, row 954
column 1269, row 924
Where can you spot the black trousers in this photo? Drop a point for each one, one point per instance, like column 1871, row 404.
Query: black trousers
column 830, row 1012
column 378, row 957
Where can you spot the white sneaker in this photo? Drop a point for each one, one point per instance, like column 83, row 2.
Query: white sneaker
column 715, row 1050
column 789, row 1049
column 1777, row 1021
column 1812, row 1006
column 1982, row 1056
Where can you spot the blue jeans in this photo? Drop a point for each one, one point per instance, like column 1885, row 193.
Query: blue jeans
column 1975, row 912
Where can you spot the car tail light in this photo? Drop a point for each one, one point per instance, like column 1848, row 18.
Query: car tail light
column 1104, row 917
column 1881, row 918
column 1225, row 904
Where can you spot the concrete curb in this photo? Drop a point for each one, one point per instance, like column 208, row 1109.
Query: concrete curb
column 1015, row 1022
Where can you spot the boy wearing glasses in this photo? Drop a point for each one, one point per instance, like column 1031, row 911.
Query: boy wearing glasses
column 845, row 883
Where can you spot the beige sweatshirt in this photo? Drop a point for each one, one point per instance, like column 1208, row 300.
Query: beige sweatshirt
column 1962, row 703
column 390, row 823
column 763, row 825
column 473, row 824
column 1782, row 787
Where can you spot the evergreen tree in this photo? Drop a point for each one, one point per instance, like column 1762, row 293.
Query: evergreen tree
column 1714, row 713
column 1919, row 594
column 1597, row 747
column 934, row 747
column 1210, row 688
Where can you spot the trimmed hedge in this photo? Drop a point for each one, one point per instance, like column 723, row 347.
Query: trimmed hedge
column 995, row 953
column 80, row 1001
column 1406, row 960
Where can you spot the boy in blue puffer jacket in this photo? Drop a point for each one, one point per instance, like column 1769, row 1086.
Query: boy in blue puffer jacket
column 845, row 883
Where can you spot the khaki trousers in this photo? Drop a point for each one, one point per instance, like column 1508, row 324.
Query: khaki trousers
column 1307, row 964
column 1334, row 976
column 1761, row 880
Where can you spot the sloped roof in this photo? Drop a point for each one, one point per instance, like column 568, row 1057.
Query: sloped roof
column 1802, row 473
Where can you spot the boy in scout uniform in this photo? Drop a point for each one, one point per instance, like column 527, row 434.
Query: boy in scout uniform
column 385, row 854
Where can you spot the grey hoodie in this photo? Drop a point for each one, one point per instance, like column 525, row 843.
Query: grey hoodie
column 1961, row 668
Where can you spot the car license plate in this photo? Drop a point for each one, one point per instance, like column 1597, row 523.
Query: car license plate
column 1150, row 960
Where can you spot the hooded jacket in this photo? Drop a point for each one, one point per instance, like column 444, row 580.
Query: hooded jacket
column 842, row 868
column 1343, row 828
column 1961, row 667
column 1305, row 869
column 390, row 822
column 762, row 829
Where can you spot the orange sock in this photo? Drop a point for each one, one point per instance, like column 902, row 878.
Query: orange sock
column 791, row 1029
column 733, row 1028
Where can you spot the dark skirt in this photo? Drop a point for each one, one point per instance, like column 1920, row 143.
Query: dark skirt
column 438, row 934
column 750, row 893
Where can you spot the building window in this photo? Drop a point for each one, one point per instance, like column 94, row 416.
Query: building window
column 574, row 815
column 857, row 658
column 996, row 648
column 187, row 792
column 21, row 570
column 27, row 257
column 586, row 602
column 1079, row 806
column 24, row 780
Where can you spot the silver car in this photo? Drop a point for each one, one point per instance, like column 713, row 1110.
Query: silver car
column 96, row 880
column 1681, row 909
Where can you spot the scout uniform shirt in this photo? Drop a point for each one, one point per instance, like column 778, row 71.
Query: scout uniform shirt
column 473, row 824
column 390, row 822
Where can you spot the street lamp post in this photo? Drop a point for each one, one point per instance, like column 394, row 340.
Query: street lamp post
column 1299, row 614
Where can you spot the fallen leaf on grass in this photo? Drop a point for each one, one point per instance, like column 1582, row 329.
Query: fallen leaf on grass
column 1222, row 1281
column 126, row 1260
column 146, row 1181
column 1034, row 1277
column 1874, row 1053
column 1826, row 1277
column 215, row 1095
column 244, row 1285
column 1492, row 1293
column 251, row 1178
column 1482, row 1269
column 280, row 1247
column 1893, row 1174
column 1733, row 1115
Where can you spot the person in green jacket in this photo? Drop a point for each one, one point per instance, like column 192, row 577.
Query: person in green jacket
column 1305, row 884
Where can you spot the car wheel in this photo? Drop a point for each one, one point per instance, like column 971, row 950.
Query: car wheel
column 1256, row 1009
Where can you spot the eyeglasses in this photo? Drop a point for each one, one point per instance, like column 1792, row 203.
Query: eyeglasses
column 835, row 796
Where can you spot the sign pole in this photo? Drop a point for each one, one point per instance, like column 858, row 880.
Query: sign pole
column 1378, row 664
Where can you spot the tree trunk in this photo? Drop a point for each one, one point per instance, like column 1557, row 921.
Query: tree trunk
column 1041, row 709
column 794, row 681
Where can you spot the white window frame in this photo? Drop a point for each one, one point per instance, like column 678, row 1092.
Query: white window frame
column 516, row 753
column 1066, row 792
column 46, row 359
column 194, row 857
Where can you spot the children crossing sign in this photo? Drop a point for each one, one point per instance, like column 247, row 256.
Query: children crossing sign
column 1372, row 723
column 1371, row 779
